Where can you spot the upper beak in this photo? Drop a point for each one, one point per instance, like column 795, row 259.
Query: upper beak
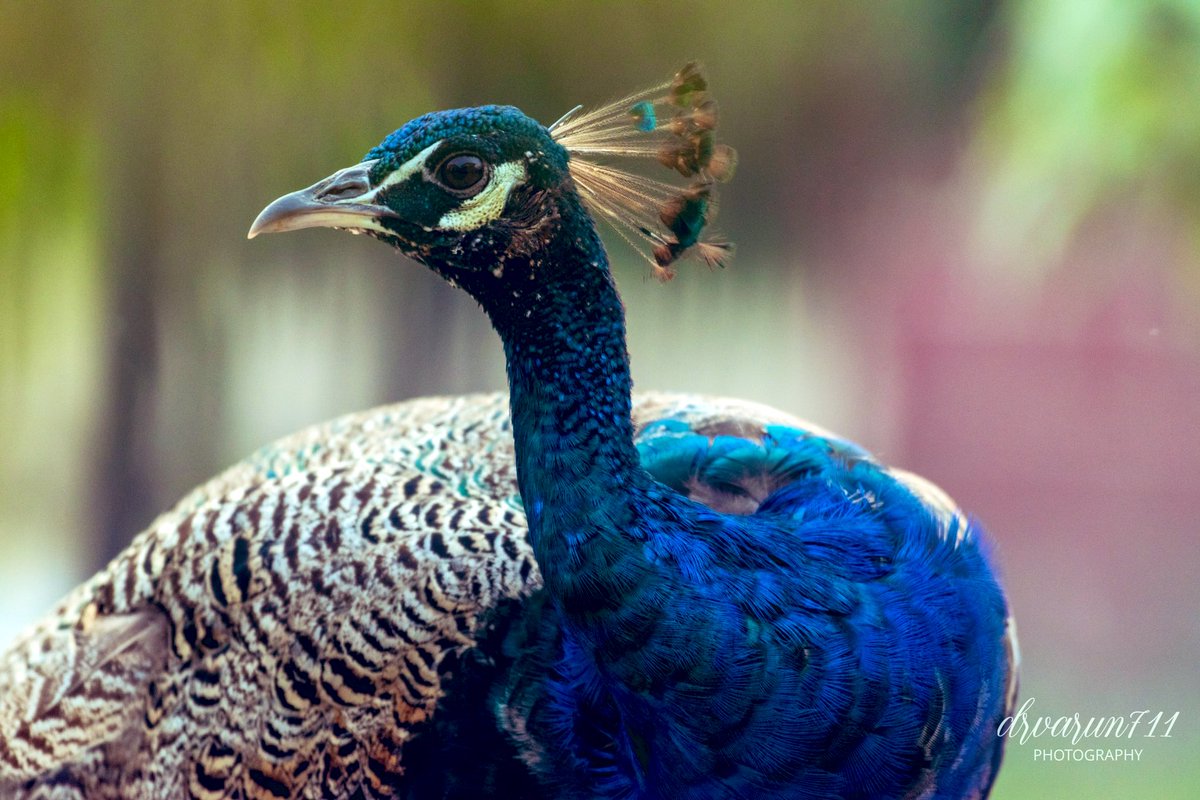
column 343, row 200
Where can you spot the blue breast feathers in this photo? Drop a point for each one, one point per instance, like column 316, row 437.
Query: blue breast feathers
column 841, row 635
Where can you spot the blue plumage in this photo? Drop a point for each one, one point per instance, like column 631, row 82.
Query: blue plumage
column 726, row 612
column 841, row 637
column 644, row 117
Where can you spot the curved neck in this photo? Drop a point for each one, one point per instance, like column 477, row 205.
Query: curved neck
column 563, row 328
column 569, row 389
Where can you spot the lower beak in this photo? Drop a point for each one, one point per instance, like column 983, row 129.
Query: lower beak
column 343, row 200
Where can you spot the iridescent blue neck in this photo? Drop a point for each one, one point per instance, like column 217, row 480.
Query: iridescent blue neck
column 568, row 370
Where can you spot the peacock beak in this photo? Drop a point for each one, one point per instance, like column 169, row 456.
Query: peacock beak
column 343, row 200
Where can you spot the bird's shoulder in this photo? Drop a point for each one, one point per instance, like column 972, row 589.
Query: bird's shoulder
column 787, row 515
column 806, row 550
column 742, row 458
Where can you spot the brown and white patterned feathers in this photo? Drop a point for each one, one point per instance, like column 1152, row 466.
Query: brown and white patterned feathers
column 278, row 634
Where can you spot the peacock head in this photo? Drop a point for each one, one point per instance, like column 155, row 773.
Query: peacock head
column 470, row 190
column 453, row 189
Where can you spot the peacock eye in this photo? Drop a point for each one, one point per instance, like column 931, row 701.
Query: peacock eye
column 462, row 173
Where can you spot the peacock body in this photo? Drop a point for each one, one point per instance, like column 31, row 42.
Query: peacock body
column 587, row 595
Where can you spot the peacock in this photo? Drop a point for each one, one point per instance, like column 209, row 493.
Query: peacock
column 573, row 591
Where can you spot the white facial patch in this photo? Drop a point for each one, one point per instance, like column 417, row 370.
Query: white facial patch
column 400, row 173
column 488, row 205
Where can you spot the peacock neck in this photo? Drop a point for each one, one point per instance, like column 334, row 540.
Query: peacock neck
column 568, row 371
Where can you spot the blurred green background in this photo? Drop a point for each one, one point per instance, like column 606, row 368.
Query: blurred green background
column 969, row 238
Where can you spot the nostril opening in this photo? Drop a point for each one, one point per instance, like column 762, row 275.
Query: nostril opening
column 342, row 190
column 343, row 187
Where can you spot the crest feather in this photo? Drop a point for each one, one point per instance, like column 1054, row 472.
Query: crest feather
column 673, row 124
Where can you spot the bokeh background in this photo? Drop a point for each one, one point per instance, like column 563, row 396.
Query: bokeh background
column 969, row 238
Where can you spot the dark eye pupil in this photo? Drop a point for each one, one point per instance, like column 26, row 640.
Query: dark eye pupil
column 461, row 172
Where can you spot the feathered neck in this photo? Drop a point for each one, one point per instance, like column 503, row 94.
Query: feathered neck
column 563, row 328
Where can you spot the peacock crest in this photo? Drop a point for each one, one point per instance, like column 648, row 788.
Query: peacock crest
column 674, row 123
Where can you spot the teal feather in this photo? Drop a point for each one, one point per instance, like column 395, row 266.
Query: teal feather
column 643, row 116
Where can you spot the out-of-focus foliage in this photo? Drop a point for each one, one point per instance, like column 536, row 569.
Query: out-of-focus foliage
column 1093, row 102
column 51, row 359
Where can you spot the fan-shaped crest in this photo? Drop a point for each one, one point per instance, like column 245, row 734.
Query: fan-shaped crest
column 674, row 123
